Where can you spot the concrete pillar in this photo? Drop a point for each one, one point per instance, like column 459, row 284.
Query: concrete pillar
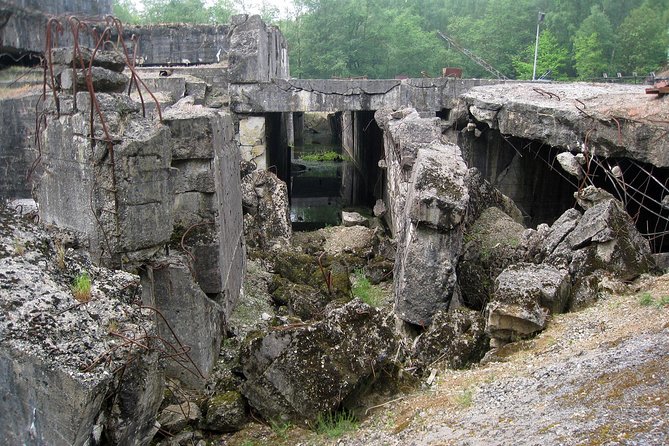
column 252, row 140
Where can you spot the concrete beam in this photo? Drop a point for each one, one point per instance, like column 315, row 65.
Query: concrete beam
column 311, row 95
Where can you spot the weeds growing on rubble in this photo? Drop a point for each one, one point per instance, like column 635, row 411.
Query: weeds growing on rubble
column 365, row 291
column 81, row 288
column 334, row 425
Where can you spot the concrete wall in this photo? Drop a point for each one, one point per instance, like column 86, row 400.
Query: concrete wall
column 56, row 7
column 179, row 43
column 17, row 145
column 26, row 21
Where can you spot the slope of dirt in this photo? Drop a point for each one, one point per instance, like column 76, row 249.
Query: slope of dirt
column 599, row 376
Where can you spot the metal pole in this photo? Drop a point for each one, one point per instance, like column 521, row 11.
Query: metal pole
column 536, row 52
column 540, row 18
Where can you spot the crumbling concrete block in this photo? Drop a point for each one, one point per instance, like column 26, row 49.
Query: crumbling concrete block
column 258, row 53
column 103, row 80
column 111, row 60
column 58, row 356
column 111, row 192
column 190, row 323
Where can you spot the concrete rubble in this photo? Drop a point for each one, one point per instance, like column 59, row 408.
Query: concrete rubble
column 71, row 371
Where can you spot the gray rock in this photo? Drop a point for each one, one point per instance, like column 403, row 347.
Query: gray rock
column 349, row 219
column 225, row 412
column 492, row 243
column 103, row 80
column 111, row 60
column 193, row 323
column 590, row 196
column 176, row 417
column 296, row 373
column 570, row 164
column 604, row 239
column 525, row 295
column 265, row 201
column 430, row 243
column 379, row 208
column 455, row 338
column 57, row 356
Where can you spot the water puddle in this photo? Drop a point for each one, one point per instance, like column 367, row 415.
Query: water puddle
column 316, row 188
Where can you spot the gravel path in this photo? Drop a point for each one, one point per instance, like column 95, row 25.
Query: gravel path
column 599, row 376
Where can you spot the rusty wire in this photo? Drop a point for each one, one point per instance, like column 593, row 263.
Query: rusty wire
column 77, row 28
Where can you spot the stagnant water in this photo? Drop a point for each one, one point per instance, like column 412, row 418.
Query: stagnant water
column 316, row 188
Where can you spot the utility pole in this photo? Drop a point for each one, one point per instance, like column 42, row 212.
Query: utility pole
column 540, row 18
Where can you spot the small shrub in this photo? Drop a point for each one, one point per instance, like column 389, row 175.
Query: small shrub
column 19, row 247
column 646, row 299
column 60, row 256
column 334, row 425
column 81, row 288
column 365, row 291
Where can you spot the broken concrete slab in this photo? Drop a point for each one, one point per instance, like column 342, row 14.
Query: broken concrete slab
column 525, row 294
column 189, row 321
column 612, row 119
column 102, row 79
column 67, row 56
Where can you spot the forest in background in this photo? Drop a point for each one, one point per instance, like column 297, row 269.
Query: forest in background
column 579, row 39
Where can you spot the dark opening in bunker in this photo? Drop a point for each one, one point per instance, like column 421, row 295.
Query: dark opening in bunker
column 334, row 166
column 524, row 170
column 528, row 173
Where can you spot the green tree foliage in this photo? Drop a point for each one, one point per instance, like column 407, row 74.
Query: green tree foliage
column 551, row 57
column 385, row 38
column 125, row 11
column 593, row 45
column 175, row 11
column 643, row 40
column 589, row 56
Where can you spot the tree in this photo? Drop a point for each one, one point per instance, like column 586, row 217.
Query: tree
column 175, row 11
column 593, row 45
column 125, row 11
column 589, row 56
column 551, row 56
column 221, row 11
column 643, row 40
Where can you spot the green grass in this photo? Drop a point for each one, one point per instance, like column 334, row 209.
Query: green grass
column 280, row 429
column 662, row 302
column 334, row 425
column 365, row 291
column 330, row 155
column 81, row 287
column 647, row 300
column 464, row 399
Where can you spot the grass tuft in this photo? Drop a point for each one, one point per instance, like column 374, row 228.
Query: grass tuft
column 646, row 300
column 334, row 425
column 365, row 291
column 464, row 399
column 81, row 288
column 280, row 429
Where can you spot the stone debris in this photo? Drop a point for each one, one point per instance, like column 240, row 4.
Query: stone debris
column 525, row 294
column 266, row 210
column 353, row 219
column 295, row 373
